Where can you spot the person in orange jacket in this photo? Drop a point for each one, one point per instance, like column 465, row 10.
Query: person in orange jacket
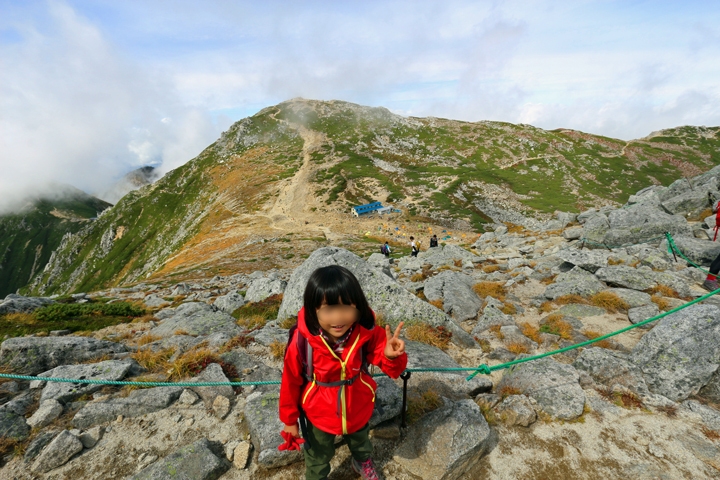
column 331, row 389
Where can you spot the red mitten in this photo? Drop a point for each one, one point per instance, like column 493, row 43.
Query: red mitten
column 291, row 443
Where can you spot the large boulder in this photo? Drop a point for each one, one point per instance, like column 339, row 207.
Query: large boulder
column 138, row 403
column 643, row 278
column 58, row 452
column 691, row 203
column 595, row 228
column 384, row 294
column 639, row 223
column 445, row 443
column 13, row 425
column 702, row 252
column 633, row 298
column 590, row 260
column 680, row 355
column 449, row 383
column 197, row 318
column 229, row 303
column 261, row 415
column 32, row 355
column 198, row 461
column 610, row 368
column 574, row 282
column 15, row 303
column 64, row 392
column 555, row 386
column 263, row 288
column 491, row 317
column 456, row 292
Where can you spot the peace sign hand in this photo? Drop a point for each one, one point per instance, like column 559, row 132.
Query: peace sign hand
column 394, row 347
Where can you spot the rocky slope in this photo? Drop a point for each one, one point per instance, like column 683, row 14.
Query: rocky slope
column 292, row 171
column 28, row 237
column 643, row 404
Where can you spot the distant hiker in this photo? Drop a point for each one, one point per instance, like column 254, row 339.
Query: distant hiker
column 325, row 380
column 433, row 241
column 385, row 250
column 711, row 283
column 415, row 247
column 716, row 209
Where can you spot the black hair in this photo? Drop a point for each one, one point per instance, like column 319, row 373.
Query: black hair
column 434, row 235
column 335, row 284
column 412, row 238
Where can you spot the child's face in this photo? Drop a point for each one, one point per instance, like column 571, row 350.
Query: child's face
column 336, row 320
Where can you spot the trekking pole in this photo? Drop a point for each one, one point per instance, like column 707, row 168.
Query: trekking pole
column 405, row 377
column 583, row 244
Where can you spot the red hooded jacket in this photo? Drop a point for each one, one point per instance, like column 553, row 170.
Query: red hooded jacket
column 320, row 403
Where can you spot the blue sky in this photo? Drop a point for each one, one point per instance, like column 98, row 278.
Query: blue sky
column 92, row 89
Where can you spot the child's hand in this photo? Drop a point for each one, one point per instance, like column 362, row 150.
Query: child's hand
column 292, row 429
column 394, row 347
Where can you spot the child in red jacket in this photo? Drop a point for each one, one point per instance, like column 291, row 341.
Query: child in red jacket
column 339, row 398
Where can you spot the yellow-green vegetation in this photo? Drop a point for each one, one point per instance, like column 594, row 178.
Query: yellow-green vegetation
column 418, row 404
column 662, row 303
column 277, row 349
column 68, row 316
column 435, row 336
column 254, row 315
column 609, row 301
column 555, row 325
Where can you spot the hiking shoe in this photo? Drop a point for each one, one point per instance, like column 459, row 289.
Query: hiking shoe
column 365, row 469
column 710, row 285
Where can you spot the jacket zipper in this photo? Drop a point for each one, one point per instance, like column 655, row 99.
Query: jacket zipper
column 343, row 366
column 368, row 385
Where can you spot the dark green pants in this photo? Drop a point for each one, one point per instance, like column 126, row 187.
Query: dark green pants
column 322, row 450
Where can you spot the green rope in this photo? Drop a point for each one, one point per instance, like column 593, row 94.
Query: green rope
column 201, row 384
column 672, row 247
column 485, row 369
column 622, row 246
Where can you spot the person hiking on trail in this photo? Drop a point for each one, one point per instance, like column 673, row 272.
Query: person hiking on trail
column 325, row 383
column 385, row 250
column 433, row 241
column 415, row 247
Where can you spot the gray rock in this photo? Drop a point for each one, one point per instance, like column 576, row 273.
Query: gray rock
column 241, row 455
column 680, row 355
column 609, row 369
column 455, row 290
column 389, row 396
column 640, row 314
column 639, row 223
column 261, row 415
column 263, row 288
column 573, row 233
column 13, row 425
column 48, row 411
column 590, row 260
column 490, row 318
column 90, row 438
column 57, row 453
column 587, row 214
column 64, row 392
column 251, row 368
column 595, row 228
column 517, row 410
column 221, row 406
column 642, row 279
column 181, row 289
column 633, row 298
column 692, row 202
column 197, row 461
column 230, row 302
column 580, row 310
column 137, row 403
column 213, row 373
column 512, row 334
column 584, row 287
column 384, row 294
column 14, row 303
column 32, row 355
column 270, row 334
column 448, row 383
column 456, row 252
column 197, row 318
column 38, row 443
column 702, row 252
column 555, row 386
column 153, row 300
column 445, row 443
column 710, row 416
column 502, row 354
